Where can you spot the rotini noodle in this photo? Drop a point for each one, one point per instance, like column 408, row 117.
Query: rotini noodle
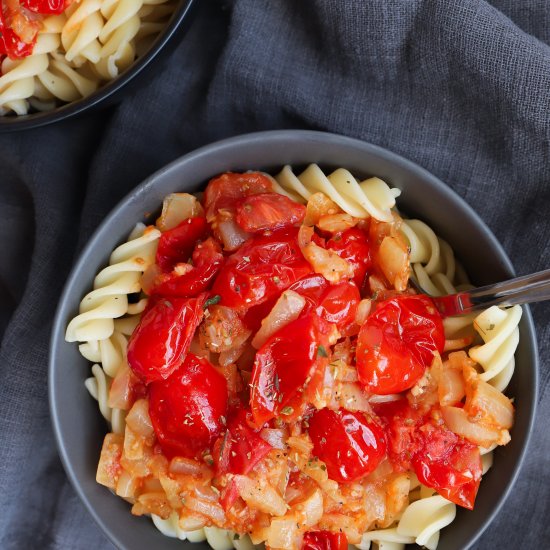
column 371, row 197
column 499, row 330
column 90, row 43
column 109, row 299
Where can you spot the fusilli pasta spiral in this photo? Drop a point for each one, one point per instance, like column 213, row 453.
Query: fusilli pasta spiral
column 499, row 330
column 432, row 260
column 371, row 197
column 109, row 299
column 92, row 42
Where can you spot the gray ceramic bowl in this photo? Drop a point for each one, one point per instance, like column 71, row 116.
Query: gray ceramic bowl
column 80, row 429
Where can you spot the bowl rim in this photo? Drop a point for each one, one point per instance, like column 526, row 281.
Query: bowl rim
column 14, row 123
column 239, row 141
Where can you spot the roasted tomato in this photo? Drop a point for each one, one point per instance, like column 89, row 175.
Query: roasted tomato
column 261, row 269
column 162, row 338
column 46, row 6
column 324, row 540
column 268, row 212
column 224, row 191
column 336, row 303
column 440, row 458
column 397, row 342
column 283, row 367
column 18, row 29
column 207, row 262
column 188, row 408
column 350, row 445
column 353, row 246
column 177, row 244
column 240, row 448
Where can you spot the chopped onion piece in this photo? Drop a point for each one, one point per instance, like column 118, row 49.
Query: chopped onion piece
column 394, row 261
column 209, row 509
column 335, row 223
column 275, row 437
column 231, row 234
column 282, row 533
column 287, row 308
column 177, row 207
column 138, row 419
column 260, row 495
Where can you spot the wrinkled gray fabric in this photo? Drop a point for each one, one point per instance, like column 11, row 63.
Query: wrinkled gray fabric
column 460, row 87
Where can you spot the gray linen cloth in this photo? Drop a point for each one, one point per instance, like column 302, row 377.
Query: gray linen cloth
column 460, row 87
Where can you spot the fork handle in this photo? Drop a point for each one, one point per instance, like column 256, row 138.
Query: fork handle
column 520, row 290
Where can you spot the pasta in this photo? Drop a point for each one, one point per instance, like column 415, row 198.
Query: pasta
column 292, row 488
column 371, row 197
column 79, row 50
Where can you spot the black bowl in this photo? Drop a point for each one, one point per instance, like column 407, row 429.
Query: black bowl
column 113, row 91
column 78, row 425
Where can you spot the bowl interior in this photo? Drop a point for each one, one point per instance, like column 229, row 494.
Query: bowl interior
column 112, row 91
column 78, row 425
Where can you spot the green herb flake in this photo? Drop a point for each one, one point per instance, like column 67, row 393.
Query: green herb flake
column 287, row 411
column 276, row 280
column 212, row 301
column 322, row 352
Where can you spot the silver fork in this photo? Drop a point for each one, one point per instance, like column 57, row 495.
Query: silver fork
column 521, row 290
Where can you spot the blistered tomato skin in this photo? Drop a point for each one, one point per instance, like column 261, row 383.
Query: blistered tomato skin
column 283, row 367
column 324, row 540
column 353, row 245
column 162, row 338
column 350, row 445
column 397, row 342
column 268, row 212
column 188, row 409
column 261, row 269
column 177, row 244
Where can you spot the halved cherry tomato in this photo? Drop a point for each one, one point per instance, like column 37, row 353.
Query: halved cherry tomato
column 187, row 409
column 268, row 211
column 324, row 540
column 241, row 448
column 262, row 268
column 336, row 303
column 397, row 342
column 225, row 190
column 45, row 6
column 175, row 245
column 350, row 445
column 283, row 367
column 207, row 262
column 441, row 459
column 353, row 245
column 162, row 338
column 449, row 464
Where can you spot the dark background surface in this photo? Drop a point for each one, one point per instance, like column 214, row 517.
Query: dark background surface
column 460, row 87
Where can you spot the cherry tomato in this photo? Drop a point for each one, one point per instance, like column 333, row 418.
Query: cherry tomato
column 224, row 191
column 350, row 445
column 240, row 448
column 449, row 464
column 397, row 342
column 162, row 338
column 324, row 540
column 187, row 409
column 262, row 268
column 268, row 211
column 175, row 245
column 207, row 262
column 283, row 367
column 336, row 303
column 45, row 6
column 353, row 245
column 18, row 31
column 441, row 459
